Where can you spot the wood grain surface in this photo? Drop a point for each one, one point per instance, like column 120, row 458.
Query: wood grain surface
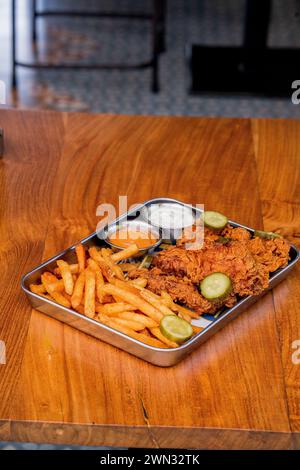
column 241, row 388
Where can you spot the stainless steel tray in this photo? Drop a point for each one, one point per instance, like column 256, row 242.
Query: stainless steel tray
column 159, row 357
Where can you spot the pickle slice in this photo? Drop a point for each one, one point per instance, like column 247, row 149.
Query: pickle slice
column 215, row 286
column 266, row 235
column 175, row 328
column 214, row 220
column 224, row 240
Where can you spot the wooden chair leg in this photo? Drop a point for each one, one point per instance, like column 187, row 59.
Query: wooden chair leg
column 13, row 44
column 155, row 46
column 162, row 11
column 33, row 20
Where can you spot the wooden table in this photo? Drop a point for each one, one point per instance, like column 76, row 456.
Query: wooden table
column 241, row 388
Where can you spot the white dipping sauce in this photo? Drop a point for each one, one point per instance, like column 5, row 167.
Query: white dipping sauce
column 173, row 216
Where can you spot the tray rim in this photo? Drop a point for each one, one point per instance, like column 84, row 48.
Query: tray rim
column 196, row 338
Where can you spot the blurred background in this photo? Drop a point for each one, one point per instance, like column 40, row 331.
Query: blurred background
column 197, row 57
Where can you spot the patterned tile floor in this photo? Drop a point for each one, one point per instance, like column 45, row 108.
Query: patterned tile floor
column 207, row 22
column 33, row 446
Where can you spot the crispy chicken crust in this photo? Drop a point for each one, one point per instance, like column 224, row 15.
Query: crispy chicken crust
column 247, row 261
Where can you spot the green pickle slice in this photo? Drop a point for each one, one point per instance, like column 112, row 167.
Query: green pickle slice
column 175, row 328
column 266, row 235
column 215, row 286
column 214, row 220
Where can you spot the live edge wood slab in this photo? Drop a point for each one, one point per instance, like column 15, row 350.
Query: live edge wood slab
column 240, row 389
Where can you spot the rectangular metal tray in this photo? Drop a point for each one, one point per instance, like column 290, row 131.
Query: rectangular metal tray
column 159, row 357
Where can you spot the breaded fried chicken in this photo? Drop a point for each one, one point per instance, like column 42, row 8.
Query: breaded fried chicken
column 273, row 254
column 234, row 259
column 247, row 261
column 181, row 290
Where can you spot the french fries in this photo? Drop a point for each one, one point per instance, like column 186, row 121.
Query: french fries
column 146, row 321
column 61, row 299
column 80, row 252
column 66, row 275
column 134, row 325
column 127, row 267
column 156, row 332
column 147, row 295
column 89, row 296
column 77, row 295
column 73, row 268
column 51, row 283
column 37, row 288
column 95, row 286
column 139, row 282
column 99, row 285
column 178, row 308
column 114, row 308
column 93, row 265
column 125, row 254
column 133, row 334
column 135, row 300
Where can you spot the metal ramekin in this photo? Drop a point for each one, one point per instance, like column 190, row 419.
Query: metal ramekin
column 112, row 229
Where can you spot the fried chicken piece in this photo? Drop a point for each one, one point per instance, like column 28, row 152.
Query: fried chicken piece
column 273, row 253
column 192, row 236
column 181, row 290
column 234, row 259
column 194, row 239
column 235, row 233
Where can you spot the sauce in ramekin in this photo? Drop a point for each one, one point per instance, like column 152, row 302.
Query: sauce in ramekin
column 126, row 236
column 170, row 215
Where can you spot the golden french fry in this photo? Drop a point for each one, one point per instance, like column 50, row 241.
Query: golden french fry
column 114, row 308
column 178, row 308
column 185, row 311
column 185, row 317
column 47, row 296
column 49, row 277
column 37, row 288
column 67, row 296
column 66, row 275
column 139, row 282
column 114, row 267
column 139, row 317
column 135, row 289
column 73, row 268
column 80, row 309
column 95, row 254
column 106, row 252
column 197, row 329
column 127, row 267
column 92, row 264
column 80, row 252
column 158, row 334
column 99, row 284
column 133, row 334
column 149, row 340
column 61, row 299
column 57, row 286
column 146, row 332
column 126, row 253
column 134, row 325
column 89, row 294
column 147, row 295
column 108, row 269
column 51, row 283
column 77, row 295
column 134, row 300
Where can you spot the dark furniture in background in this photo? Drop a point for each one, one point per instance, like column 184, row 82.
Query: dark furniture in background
column 157, row 18
column 251, row 68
